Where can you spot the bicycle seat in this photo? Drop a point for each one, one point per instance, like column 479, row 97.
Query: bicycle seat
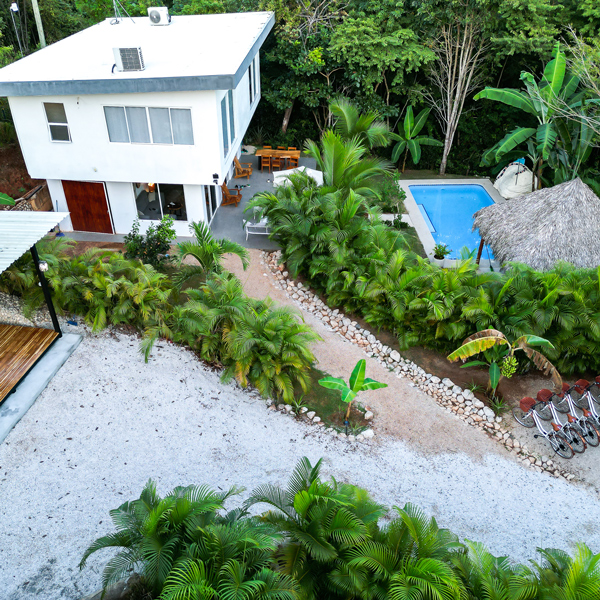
column 581, row 385
column 556, row 427
column 527, row 404
column 571, row 418
column 598, row 379
column 544, row 395
column 586, row 412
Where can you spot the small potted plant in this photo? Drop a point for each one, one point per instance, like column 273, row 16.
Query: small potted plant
column 440, row 251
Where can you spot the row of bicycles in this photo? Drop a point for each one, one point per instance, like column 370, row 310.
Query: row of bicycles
column 573, row 414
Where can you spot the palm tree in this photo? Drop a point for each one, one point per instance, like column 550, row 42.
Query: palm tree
column 408, row 137
column 566, row 578
column 346, row 166
column 321, row 522
column 409, row 558
column 185, row 547
column 269, row 348
column 536, row 99
column 351, row 124
column 209, row 253
column 486, row 576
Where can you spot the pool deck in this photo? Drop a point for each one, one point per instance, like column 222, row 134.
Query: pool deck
column 421, row 226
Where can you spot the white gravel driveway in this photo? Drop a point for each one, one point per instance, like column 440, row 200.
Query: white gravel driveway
column 108, row 422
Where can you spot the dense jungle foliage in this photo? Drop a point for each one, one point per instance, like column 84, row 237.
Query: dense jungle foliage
column 383, row 54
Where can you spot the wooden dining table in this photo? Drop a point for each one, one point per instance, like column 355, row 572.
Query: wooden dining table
column 275, row 152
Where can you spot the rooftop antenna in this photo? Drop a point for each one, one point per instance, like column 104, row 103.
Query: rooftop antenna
column 119, row 8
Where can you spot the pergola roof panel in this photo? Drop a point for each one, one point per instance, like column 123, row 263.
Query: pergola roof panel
column 20, row 230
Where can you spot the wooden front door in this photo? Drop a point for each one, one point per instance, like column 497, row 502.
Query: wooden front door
column 88, row 206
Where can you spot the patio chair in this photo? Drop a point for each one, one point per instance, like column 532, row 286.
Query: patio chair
column 230, row 196
column 265, row 161
column 292, row 160
column 277, row 162
column 242, row 169
column 259, row 228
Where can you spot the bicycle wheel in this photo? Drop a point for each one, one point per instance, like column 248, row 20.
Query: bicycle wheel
column 574, row 438
column 561, row 405
column 589, row 433
column 543, row 410
column 524, row 418
column 580, row 401
column 560, row 445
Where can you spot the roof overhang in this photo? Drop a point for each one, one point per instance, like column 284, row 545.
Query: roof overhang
column 20, row 230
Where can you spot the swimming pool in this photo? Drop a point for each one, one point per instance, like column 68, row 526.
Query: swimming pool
column 448, row 213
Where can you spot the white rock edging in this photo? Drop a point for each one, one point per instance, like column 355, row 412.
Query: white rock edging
column 462, row 403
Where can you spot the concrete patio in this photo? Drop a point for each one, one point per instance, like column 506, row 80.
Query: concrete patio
column 229, row 220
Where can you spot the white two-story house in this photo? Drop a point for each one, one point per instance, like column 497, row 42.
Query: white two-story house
column 131, row 119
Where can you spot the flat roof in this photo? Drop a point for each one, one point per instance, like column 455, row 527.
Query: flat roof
column 19, row 230
column 200, row 52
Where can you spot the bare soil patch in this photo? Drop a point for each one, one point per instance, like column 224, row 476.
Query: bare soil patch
column 14, row 178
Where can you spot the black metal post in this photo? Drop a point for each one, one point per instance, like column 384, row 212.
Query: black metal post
column 46, row 290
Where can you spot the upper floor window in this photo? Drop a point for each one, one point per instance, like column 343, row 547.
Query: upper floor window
column 143, row 125
column 227, row 121
column 253, row 79
column 57, row 122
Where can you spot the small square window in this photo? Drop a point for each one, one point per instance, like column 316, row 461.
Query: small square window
column 57, row 122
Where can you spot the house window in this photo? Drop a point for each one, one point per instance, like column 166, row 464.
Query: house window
column 231, row 117
column 224, row 124
column 155, row 200
column 251, row 81
column 57, row 122
column 227, row 121
column 142, row 125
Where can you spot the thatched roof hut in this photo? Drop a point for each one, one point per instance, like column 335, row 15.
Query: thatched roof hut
column 541, row 228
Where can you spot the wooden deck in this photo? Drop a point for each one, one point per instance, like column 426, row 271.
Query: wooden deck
column 20, row 347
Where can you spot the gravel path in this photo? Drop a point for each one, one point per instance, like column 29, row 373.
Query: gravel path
column 108, row 422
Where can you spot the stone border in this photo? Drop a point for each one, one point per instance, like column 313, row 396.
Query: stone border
column 462, row 403
column 311, row 416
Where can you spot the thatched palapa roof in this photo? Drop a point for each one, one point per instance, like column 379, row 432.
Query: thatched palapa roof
column 541, row 228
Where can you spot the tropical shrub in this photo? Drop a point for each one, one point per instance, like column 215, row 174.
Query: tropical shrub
column 408, row 138
column 498, row 354
column 319, row 539
column 357, row 383
column 258, row 344
column 186, row 546
column 208, row 252
column 152, row 248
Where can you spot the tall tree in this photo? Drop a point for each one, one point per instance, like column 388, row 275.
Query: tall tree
column 460, row 49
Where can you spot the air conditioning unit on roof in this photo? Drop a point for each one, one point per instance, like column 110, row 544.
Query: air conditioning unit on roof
column 129, row 59
column 159, row 15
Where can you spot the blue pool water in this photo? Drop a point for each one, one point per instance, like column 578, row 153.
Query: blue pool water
column 448, row 211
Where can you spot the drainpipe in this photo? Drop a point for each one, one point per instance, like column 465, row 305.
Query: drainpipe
column 46, row 290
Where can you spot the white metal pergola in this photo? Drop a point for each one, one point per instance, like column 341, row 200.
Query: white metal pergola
column 20, row 231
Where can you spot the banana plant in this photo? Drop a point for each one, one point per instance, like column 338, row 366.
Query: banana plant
column 407, row 137
column 6, row 200
column 499, row 355
column 358, row 383
column 556, row 87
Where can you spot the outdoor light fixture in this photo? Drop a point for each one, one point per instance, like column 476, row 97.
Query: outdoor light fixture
column 43, row 266
column 215, row 178
column 14, row 7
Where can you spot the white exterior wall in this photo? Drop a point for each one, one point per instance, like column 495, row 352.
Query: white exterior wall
column 90, row 156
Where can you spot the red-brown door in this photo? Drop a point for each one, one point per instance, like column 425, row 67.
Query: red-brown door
column 88, row 206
